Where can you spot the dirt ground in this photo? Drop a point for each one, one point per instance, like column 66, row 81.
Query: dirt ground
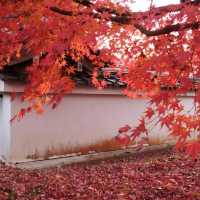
column 149, row 176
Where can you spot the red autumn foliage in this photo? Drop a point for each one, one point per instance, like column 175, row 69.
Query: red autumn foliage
column 123, row 138
column 152, row 175
column 124, row 129
column 156, row 51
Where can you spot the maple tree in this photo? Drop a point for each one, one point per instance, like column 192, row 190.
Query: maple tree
column 155, row 53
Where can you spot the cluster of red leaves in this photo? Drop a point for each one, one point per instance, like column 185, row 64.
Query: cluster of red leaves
column 150, row 175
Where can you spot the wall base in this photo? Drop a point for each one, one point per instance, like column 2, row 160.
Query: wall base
column 54, row 162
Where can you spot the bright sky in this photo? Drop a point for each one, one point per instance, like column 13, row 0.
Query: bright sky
column 144, row 4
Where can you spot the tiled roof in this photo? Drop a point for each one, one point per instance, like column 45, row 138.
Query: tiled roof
column 16, row 70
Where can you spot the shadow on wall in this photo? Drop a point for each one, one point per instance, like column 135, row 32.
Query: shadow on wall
column 102, row 146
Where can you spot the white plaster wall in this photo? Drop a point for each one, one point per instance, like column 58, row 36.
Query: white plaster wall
column 5, row 127
column 80, row 120
column 83, row 118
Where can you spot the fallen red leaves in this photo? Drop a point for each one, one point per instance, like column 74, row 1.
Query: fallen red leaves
column 160, row 175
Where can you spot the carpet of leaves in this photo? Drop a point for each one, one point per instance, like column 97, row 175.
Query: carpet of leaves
column 152, row 175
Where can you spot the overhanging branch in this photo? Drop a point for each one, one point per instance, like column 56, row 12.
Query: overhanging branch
column 168, row 29
column 61, row 11
column 134, row 17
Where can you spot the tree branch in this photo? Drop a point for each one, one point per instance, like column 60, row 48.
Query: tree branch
column 84, row 2
column 61, row 11
column 134, row 17
column 168, row 29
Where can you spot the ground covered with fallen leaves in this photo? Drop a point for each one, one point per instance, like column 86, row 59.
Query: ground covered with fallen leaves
column 152, row 175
